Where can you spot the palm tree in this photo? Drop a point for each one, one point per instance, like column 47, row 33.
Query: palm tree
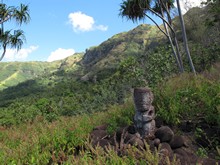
column 163, row 8
column 20, row 15
column 134, row 9
column 137, row 10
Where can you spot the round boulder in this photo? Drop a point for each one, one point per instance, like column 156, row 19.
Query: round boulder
column 164, row 133
column 156, row 142
column 166, row 149
column 177, row 141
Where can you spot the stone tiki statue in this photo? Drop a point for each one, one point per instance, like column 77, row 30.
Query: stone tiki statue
column 144, row 112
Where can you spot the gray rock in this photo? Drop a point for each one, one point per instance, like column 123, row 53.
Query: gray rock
column 166, row 149
column 134, row 140
column 177, row 141
column 137, row 142
column 164, row 133
column 185, row 157
column 103, row 143
column 101, row 127
column 98, row 135
column 156, row 142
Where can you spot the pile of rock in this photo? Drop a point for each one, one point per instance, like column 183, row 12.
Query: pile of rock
column 144, row 131
column 164, row 140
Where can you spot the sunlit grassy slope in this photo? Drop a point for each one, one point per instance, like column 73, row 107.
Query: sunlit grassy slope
column 13, row 73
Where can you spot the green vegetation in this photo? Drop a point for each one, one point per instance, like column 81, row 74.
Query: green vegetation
column 48, row 137
column 12, row 74
column 180, row 99
column 47, row 110
column 66, row 141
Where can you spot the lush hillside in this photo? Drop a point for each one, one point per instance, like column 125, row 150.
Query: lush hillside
column 13, row 73
column 104, row 75
column 107, row 56
column 47, row 114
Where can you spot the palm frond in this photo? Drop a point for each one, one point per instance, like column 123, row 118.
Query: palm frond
column 5, row 12
column 134, row 9
column 21, row 14
column 17, row 40
column 4, row 37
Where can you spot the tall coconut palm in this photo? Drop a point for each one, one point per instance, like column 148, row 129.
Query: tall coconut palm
column 14, row 41
column 163, row 8
column 21, row 14
column 8, row 38
column 134, row 9
column 137, row 10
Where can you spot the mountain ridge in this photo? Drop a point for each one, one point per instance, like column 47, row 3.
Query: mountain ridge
column 107, row 56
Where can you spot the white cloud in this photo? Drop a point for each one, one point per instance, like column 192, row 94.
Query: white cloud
column 188, row 4
column 20, row 55
column 59, row 54
column 83, row 22
column 102, row 27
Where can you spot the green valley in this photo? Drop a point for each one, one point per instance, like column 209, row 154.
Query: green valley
column 48, row 109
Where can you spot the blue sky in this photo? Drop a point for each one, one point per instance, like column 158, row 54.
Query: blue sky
column 59, row 28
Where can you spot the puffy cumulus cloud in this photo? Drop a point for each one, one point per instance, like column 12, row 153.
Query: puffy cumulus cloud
column 20, row 55
column 82, row 22
column 59, row 54
column 188, row 4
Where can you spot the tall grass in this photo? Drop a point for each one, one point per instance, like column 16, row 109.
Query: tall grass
column 189, row 97
column 43, row 142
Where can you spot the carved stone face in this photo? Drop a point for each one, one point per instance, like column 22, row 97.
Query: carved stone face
column 148, row 115
column 143, row 99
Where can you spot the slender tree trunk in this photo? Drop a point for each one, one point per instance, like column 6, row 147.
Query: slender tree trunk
column 3, row 45
column 185, row 38
column 171, row 28
column 166, row 33
column 3, row 54
column 175, row 51
column 176, row 44
column 173, row 34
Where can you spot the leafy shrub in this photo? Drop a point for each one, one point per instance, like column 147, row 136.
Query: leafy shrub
column 131, row 72
column 120, row 116
column 47, row 109
column 188, row 98
column 159, row 64
column 203, row 56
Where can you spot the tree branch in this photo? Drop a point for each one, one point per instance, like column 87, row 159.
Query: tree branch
column 156, row 25
column 149, row 8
